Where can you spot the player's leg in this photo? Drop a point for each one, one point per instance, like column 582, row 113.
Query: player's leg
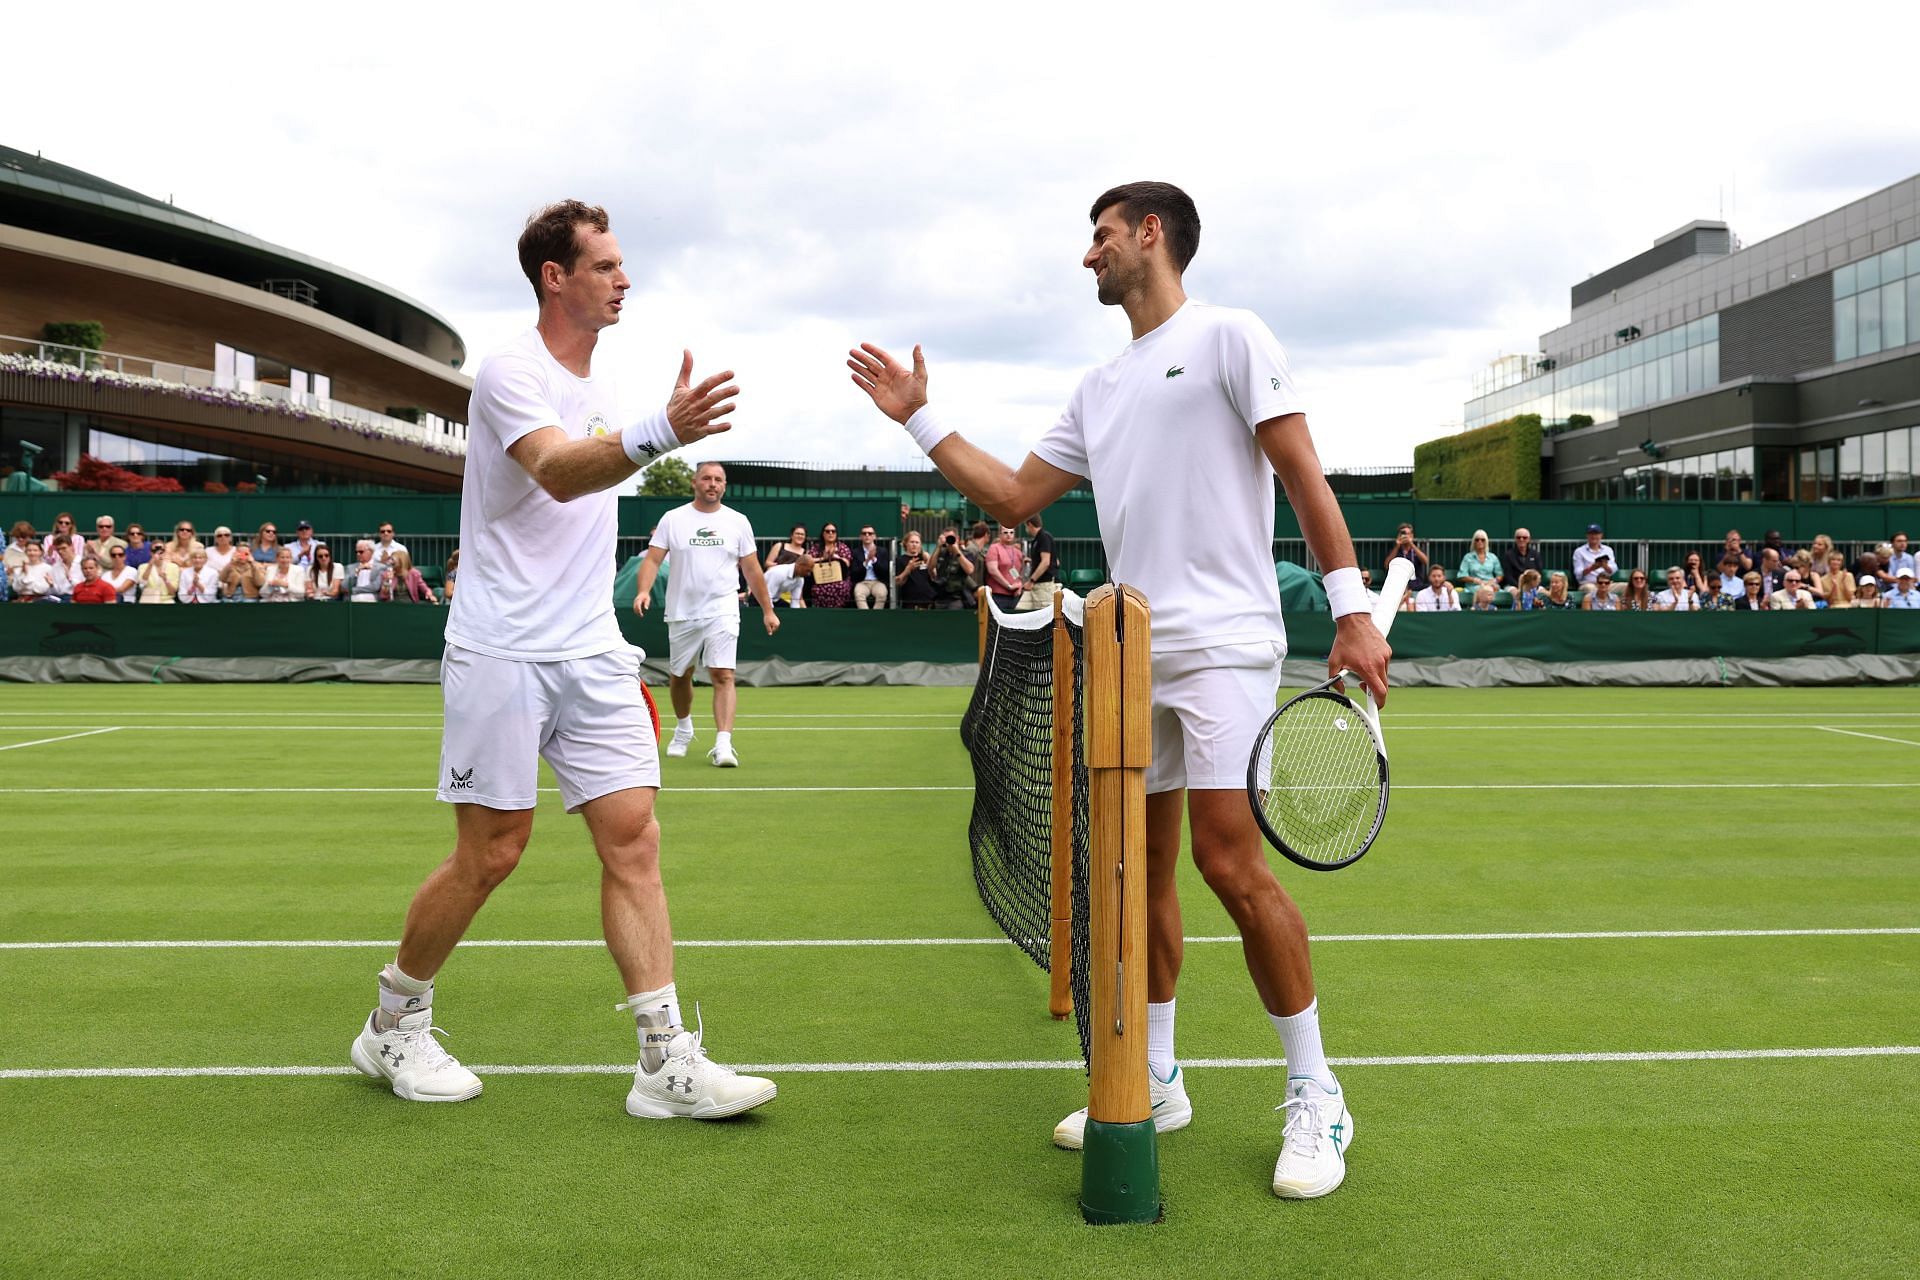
column 684, row 640
column 487, row 847
column 722, row 646
column 633, row 901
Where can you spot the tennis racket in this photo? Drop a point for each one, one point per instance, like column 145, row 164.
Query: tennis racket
column 1317, row 778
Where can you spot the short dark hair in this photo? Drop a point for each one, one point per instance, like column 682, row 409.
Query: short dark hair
column 1033, row 522
column 1174, row 207
column 981, row 529
column 711, row 463
column 552, row 235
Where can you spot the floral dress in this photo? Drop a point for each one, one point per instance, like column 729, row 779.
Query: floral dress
column 832, row 595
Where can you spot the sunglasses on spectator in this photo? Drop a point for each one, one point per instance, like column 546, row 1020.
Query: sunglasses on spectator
column 103, row 524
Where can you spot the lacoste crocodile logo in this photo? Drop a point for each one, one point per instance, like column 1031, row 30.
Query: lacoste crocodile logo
column 1176, row 371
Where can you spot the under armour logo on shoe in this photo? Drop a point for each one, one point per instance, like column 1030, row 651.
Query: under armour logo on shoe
column 680, row 1084
column 386, row 1051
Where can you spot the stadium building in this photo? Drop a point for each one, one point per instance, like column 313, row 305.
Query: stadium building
column 1704, row 369
column 166, row 343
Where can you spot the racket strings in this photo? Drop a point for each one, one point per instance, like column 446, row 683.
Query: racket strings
column 1320, row 769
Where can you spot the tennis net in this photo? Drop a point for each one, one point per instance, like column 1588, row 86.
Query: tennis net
column 1009, row 732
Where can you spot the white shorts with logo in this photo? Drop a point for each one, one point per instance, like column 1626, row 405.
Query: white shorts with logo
column 710, row 642
column 1208, row 707
column 586, row 717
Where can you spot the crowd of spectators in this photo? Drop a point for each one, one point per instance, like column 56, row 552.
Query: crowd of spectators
column 946, row 572
column 61, row 567
column 1735, row 575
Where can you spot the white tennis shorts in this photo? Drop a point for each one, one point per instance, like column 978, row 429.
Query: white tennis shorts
column 781, row 581
column 1208, row 707
column 710, row 642
column 585, row 717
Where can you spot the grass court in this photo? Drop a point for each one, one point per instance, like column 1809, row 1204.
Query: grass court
column 1630, row 985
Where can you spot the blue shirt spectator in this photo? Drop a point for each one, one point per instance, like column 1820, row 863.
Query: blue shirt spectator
column 1903, row 595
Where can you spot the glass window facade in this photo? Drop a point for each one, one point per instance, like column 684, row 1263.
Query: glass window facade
column 1876, row 303
column 1680, row 361
column 1860, row 468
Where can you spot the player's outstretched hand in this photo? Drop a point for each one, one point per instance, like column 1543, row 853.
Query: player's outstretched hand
column 897, row 391
column 696, row 412
column 640, row 603
column 772, row 620
column 1359, row 647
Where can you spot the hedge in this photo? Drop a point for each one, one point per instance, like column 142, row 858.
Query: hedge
column 1501, row 460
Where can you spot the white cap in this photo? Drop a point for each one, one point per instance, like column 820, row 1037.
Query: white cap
column 1906, row 571
column 1867, row 580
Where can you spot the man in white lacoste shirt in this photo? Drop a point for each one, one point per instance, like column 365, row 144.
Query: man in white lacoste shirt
column 537, row 669
column 1184, row 431
column 711, row 546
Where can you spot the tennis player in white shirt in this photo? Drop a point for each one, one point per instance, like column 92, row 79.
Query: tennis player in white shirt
column 537, row 669
column 1180, row 436
column 711, row 545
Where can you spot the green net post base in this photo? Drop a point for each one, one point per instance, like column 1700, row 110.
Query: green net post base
column 1120, row 1173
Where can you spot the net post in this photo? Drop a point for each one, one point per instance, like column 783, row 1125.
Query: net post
column 1060, row 850
column 1120, row 1163
column 980, row 609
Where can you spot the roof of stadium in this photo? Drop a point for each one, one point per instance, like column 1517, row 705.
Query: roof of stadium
column 56, row 199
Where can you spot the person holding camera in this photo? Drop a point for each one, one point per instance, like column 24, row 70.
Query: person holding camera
column 1405, row 548
column 912, row 575
column 952, row 570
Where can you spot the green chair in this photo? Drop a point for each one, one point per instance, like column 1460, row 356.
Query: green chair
column 1084, row 580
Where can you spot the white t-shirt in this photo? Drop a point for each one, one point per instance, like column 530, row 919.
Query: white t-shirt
column 1185, row 497
column 1430, row 601
column 705, row 547
column 124, row 580
column 218, row 560
column 383, row 552
column 538, row 573
column 1683, row 601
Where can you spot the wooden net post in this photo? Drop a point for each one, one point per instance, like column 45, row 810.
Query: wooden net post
column 980, row 607
column 1120, row 1166
column 1060, row 935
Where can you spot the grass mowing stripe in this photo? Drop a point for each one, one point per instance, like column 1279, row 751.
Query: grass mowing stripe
column 1016, row 1064
column 65, row 737
column 244, row 944
column 748, row 789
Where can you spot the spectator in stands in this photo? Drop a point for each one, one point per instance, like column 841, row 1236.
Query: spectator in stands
column 33, row 580
column 869, row 571
column 92, row 588
column 1903, row 595
column 1711, row 599
column 139, row 550
column 1005, row 563
column 326, row 581
column 180, row 550
column 303, row 544
column 1734, row 547
column 1730, row 574
column 1772, row 541
column 62, row 523
column 286, row 582
column 103, row 541
column 369, row 581
column 220, row 554
column 1520, row 557
column 1600, row 597
column 19, row 537
column 1590, row 559
column 386, row 549
column 1866, row 593
column 64, row 563
column 6, row 585
column 1438, row 596
column 1678, row 597
column 453, row 571
column 832, row 584
column 266, row 545
column 1483, row 599
column 1043, row 568
column 1555, row 596
column 1753, row 596
column 1901, row 556
column 1694, row 570
column 1405, row 548
column 199, row 584
column 1527, row 595
column 1478, row 568
column 1818, row 550
column 1638, row 597
column 1802, row 561
column 1772, row 570
column 1792, row 595
column 1883, row 552
column 409, row 584
column 159, row 578
column 1831, row 584
column 952, row 569
column 974, row 547
column 911, row 576
column 797, row 552
column 125, row 579
column 244, row 577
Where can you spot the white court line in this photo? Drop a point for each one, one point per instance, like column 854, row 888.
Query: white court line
column 62, row 738
column 748, row 790
column 953, row 727
column 435, row 715
column 295, row 944
column 1854, row 733
column 1015, row 1064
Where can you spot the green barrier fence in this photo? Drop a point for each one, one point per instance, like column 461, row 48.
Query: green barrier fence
column 856, row 636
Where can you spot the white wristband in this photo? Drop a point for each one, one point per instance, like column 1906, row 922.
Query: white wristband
column 925, row 428
column 1346, row 593
column 650, row 439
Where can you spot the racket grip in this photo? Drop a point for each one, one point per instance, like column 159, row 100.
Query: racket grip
column 1399, row 574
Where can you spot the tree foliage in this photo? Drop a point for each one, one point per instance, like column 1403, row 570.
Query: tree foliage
column 1500, row 460
column 667, row 478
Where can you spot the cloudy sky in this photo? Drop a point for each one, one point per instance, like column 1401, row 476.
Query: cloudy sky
column 1403, row 192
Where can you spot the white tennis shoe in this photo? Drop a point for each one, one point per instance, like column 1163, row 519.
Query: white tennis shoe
column 722, row 757
column 678, row 744
column 1313, row 1146
column 410, row 1059
column 693, row 1086
column 1172, row 1109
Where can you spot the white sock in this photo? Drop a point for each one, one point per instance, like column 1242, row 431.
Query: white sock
column 666, row 1000
column 1300, row 1040
column 400, row 995
column 1160, row 1059
column 683, row 724
column 724, row 738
